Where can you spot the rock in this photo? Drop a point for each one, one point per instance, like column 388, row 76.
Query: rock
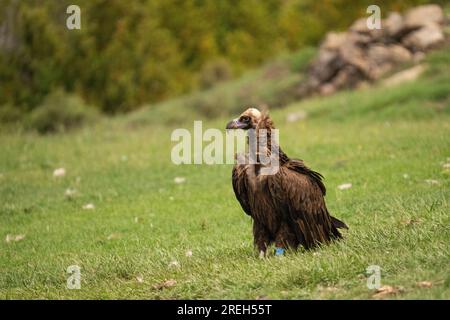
column 325, row 66
column 174, row 264
column 179, row 180
column 425, row 38
column 327, row 57
column 358, row 39
column 60, row 172
column 69, row 193
column 360, row 27
column 404, row 76
column 418, row 56
column 399, row 54
column 327, row 89
column 347, row 77
column 11, row 237
column 344, row 186
column 333, row 41
column 383, row 58
column 88, row 206
column 381, row 54
column 363, row 84
column 354, row 55
column 423, row 15
column 393, row 24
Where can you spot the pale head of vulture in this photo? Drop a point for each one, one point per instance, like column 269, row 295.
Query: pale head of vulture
column 247, row 120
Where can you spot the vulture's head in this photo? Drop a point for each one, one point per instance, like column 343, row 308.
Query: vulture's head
column 247, row 120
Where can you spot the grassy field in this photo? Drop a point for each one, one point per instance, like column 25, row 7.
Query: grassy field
column 392, row 144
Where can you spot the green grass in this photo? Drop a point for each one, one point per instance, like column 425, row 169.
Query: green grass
column 385, row 141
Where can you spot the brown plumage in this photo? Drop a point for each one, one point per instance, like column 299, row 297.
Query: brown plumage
column 288, row 208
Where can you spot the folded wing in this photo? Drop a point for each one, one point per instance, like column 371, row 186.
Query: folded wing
column 299, row 193
column 240, row 187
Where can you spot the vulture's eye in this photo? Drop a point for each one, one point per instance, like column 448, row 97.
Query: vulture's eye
column 245, row 119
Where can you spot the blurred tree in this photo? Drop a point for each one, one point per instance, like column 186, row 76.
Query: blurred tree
column 135, row 52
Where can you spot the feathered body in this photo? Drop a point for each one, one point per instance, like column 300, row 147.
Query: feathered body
column 288, row 207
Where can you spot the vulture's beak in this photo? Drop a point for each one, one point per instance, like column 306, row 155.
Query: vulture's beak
column 236, row 124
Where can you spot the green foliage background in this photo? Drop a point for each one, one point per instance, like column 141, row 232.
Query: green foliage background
column 128, row 53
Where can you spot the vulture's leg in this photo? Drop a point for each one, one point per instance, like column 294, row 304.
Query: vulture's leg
column 284, row 239
column 261, row 238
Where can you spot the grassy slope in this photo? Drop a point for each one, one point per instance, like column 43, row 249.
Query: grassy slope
column 143, row 220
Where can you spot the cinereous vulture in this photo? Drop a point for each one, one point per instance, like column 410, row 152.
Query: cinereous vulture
column 288, row 208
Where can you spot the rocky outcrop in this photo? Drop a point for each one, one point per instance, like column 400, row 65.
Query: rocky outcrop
column 424, row 38
column 423, row 15
column 359, row 55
